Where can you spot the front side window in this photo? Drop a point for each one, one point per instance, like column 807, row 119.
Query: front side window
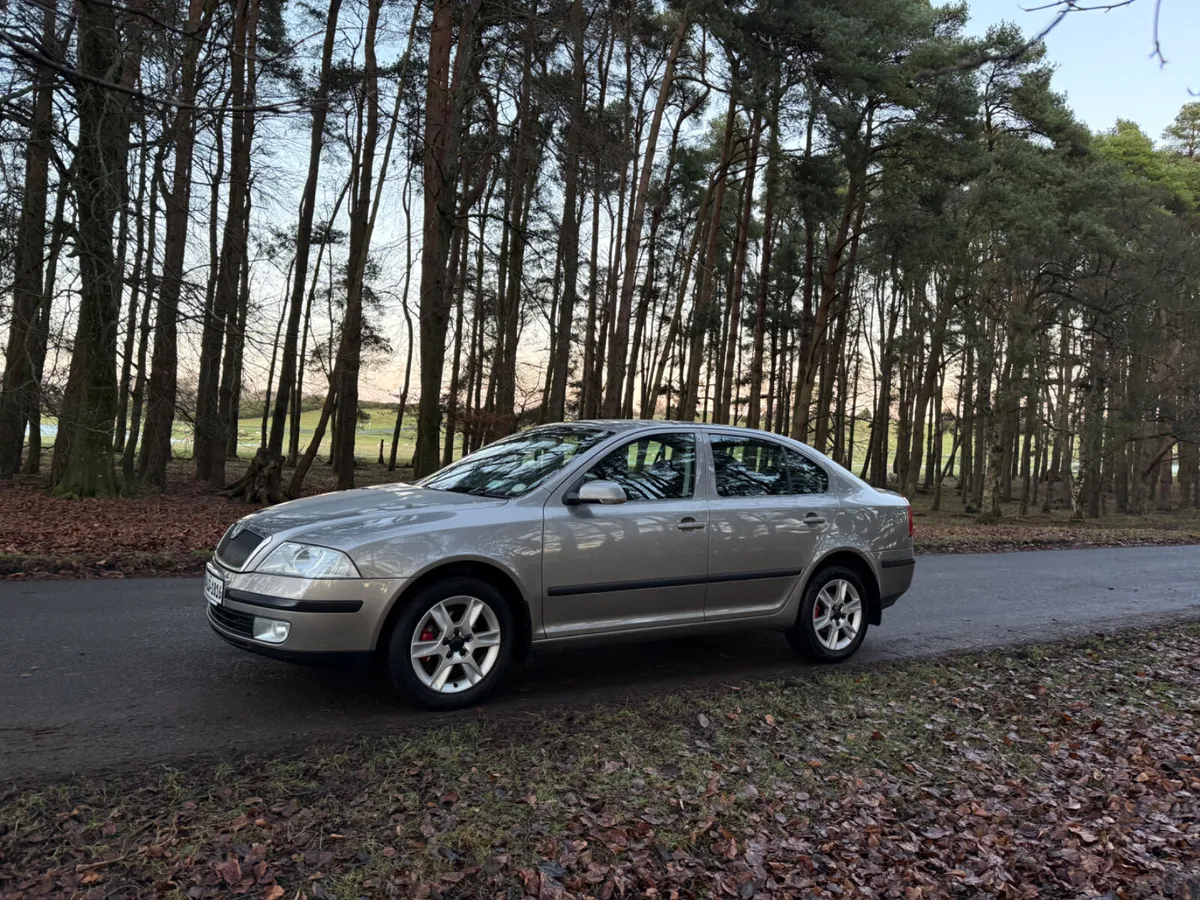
column 516, row 465
column 654, row 467
column 747, row 467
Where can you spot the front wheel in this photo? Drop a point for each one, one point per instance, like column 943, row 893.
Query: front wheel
column 451, row 644
column 832, row 621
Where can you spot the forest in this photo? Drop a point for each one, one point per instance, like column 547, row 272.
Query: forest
column 847, row 221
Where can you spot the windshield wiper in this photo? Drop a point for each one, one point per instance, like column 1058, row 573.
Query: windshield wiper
column 483, row 492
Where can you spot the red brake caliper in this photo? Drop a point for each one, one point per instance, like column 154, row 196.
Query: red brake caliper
column 426, row 635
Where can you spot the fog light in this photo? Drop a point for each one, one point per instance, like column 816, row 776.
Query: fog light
column 272, row 631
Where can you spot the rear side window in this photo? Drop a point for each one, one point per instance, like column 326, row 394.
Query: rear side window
column 805, row 475
column 748, row 467
column 654, row 467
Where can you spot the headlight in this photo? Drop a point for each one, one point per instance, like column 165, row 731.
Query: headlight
column 307, row 561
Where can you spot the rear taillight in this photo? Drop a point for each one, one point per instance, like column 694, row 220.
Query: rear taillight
column 910, row 521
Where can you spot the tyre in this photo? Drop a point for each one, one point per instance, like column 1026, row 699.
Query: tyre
column 452, row 644
column 832, row 621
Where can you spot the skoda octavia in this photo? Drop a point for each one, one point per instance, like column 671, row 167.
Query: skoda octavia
column 590, row 532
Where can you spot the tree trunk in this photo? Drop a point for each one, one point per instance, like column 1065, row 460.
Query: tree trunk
column 305, row 462
column 20, row 385
column 593, row 360
column 444, row 101
column 403, row 404
column 235, row 354
column 161, row 392
column 131, row 322
column 966, row 424
column 1027, row 450
column 41, row 328
column 811, row 354
column 269, row 394
column 308, row 200
column 350, row 352
column 945, row 303
column 1085, row 491
column 405, row 196
column 212, row 335
column 459, row 257
column 214, row 425
column 729, row 390
column 137, row 394
column 753, row 412
column 689, row 396
column 520, row 187
column 617, row 352
column 1189, row 455
column 83, row 462
column 569, row 246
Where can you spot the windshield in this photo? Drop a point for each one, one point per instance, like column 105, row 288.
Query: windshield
column 515, row 465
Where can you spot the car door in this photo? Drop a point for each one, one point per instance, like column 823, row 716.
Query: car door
column 634, row 565
column 769, row 506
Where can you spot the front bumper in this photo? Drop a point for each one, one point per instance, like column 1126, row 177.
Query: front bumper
column 305, row 657
column 327, row 617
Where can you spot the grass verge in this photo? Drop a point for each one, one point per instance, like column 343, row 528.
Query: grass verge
column 1067, row 771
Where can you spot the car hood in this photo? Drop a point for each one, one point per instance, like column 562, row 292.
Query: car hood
column 342, row 519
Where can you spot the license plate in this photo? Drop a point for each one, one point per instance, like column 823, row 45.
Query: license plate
column 214, row 588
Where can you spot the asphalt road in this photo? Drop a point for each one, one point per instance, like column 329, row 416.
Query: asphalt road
column 126, row 673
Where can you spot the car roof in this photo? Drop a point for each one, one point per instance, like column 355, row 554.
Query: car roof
column 625, row 425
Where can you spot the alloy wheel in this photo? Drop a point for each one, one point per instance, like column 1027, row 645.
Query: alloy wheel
column 455, row 644
column 837, row 615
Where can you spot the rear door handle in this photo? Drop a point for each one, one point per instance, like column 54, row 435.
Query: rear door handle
column 814, row 519
column 690, row 524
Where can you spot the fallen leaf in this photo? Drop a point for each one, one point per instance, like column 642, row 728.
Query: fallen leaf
column 230, row 871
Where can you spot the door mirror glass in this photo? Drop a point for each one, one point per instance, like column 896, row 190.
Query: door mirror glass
column 605, row 492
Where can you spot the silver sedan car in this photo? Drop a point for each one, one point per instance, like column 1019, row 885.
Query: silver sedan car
column 598, row 531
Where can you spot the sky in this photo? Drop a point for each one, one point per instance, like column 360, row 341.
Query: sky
column 1104, row 58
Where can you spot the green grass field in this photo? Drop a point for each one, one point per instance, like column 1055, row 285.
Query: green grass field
column 366, row 443
column 382, row 420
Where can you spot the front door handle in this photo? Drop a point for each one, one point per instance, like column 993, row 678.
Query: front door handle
column 690, row 524
column 814, row 519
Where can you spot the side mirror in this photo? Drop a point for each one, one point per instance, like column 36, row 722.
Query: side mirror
column 603, row 492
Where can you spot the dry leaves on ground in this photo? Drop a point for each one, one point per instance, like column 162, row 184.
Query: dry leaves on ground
column 1070, row 772
column 169, row 533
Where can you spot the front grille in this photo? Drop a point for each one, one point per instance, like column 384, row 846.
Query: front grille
column 231, row 620
column 234, row 551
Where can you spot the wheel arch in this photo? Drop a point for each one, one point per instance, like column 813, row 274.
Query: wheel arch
column 484, row 570
column 859, row 564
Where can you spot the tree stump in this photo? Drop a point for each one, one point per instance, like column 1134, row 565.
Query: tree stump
column 262, row 481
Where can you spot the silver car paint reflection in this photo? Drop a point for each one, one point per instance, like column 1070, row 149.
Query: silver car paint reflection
column 747, row 565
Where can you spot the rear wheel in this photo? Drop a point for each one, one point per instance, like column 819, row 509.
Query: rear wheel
column 451, row 644
column 832, row 621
